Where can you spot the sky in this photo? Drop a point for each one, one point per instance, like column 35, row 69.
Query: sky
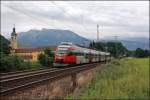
column 115, row 18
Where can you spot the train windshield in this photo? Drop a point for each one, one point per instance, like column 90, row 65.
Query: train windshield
column 62, row 51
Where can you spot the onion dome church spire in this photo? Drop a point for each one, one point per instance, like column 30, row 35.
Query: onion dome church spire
column 14, row 39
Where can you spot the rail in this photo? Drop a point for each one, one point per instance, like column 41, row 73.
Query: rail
column 14, row 82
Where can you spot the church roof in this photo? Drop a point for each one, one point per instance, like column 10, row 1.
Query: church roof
column 27, row 50
column 30, row 50
column 13, row 32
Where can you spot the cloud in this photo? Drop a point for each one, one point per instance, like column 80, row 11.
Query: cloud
column 122, row 18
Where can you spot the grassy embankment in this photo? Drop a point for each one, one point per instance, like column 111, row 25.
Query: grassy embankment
column 124, row 79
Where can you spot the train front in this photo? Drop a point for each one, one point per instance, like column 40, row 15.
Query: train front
column 63, row 57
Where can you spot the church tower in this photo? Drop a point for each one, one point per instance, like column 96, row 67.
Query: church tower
column 14, row 39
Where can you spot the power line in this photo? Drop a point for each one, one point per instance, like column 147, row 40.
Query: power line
column 116, row 38
column 33, row 17
column 97, row 32
column 116, row 48
column 62, row 9
column 43, row 21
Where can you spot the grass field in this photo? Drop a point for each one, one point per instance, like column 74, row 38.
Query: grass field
column 124, row 79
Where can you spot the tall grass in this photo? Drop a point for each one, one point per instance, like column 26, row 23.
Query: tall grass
column 124, row 79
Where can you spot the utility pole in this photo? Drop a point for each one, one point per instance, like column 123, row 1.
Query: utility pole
column 97, row 32
column 116, row 40
column 106, row 48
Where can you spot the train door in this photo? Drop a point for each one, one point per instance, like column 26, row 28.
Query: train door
column 99, row 57
column 90, row 56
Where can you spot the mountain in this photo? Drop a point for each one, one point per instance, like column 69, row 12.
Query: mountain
column 4, row 45
column 36, row 38
column 4, row 40
column 133, row 43
column 44, row 37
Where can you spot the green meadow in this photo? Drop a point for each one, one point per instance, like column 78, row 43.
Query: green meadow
column 120, row 79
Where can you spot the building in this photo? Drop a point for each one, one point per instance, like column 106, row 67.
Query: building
column 13, row 43
column 28, row 54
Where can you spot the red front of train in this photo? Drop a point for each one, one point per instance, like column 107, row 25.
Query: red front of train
column 63, row 56
column 70, row 54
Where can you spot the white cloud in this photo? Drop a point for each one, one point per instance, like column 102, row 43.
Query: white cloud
column 122, row 18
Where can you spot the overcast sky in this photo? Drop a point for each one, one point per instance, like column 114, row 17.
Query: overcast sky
column 121, row 18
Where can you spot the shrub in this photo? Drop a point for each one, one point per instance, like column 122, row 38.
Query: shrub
column 47, row 58
column 10, row 63
column 13, row 63
column 115, row 62
column 43, row 59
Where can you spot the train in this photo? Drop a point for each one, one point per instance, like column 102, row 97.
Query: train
column 67, row 54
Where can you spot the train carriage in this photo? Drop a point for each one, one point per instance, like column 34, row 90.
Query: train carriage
column 70, row 54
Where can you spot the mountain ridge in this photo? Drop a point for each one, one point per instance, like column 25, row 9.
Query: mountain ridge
column 49, row 37
column 45, row 37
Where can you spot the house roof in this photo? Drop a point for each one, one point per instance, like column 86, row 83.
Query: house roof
column 30, row 50
column 27, row 50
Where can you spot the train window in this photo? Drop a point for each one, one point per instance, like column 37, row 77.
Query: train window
column 62, row 51
column 79, row 54
column 86, row 56
column 71, row 53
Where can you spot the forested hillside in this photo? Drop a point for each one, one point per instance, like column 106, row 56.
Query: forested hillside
column 4, row 45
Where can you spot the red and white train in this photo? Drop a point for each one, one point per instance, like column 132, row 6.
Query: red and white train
column 71, row 54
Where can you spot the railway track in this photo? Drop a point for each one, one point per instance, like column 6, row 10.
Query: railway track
column 16, row 81
column 22, row 71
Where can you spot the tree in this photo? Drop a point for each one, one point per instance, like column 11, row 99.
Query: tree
column 97, row 45
column 4, row 45
column 43, row 59
column 49, row 52
column 130, row 53
column 115, row 48
column 141, row 53
column 147, row 53
column 10, row 63
column 47, row 58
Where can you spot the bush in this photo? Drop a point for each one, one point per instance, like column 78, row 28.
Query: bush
column 35, row 64
column 129, row 80
column 43, row 59
column 10, row 63
column 115, row 62
column 13, row 63
column 140, row 53
column 47, row 58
